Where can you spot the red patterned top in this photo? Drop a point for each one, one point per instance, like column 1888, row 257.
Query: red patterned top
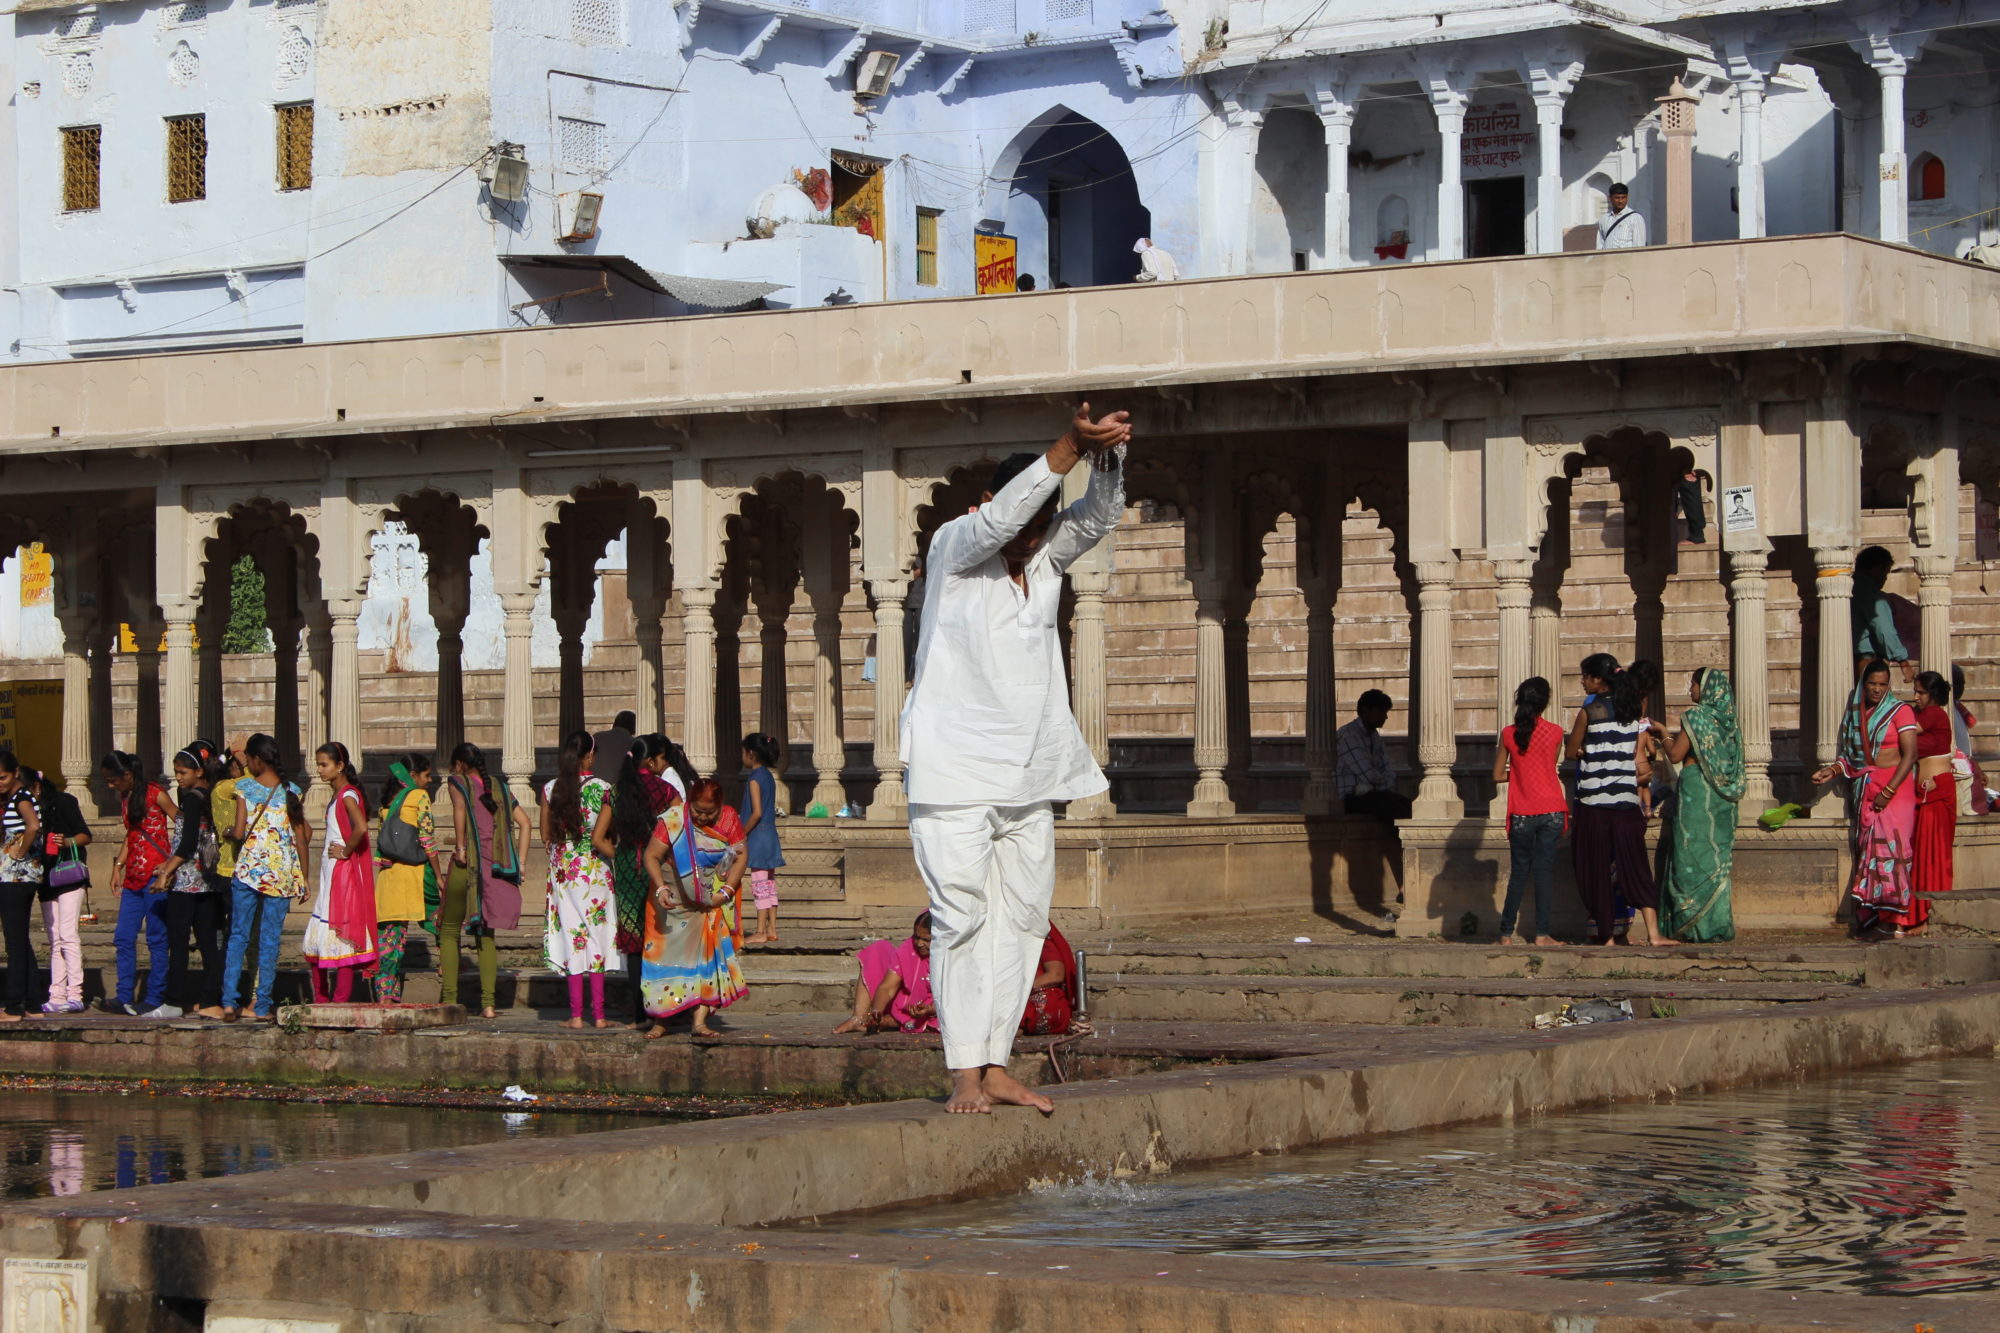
column 1534, row 787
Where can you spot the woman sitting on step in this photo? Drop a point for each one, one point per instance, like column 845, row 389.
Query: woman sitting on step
column 894, row 988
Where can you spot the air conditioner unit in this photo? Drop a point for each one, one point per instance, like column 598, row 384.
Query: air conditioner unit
column 510, row 179
column 583, row 219
column 877, row 67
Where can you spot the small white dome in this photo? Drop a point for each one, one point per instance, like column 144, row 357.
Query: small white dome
column 778, row 205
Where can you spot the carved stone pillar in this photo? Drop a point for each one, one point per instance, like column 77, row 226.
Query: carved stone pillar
column 773, row 694
column 180, row 699
column 450, row 688
column 1337, row 118
column 1750, row 633
column 1516, row 630
column 1437, row 728
column 1322, row 791
column 1934, row 601
column 892, row 800
column 517, row 703
column 344, row 698
column 1448, row 103
column 213, row 623
column 286, row 723
column 643, row 589
column 78, row 763
column 146, row 711
column 698, row 721
column 829, row 748
column 569, row 633
column 1211, row 712
column 1088, row 684
column 1236, row 684
column 1835, row 587
column 103, row 730
column 319, row 674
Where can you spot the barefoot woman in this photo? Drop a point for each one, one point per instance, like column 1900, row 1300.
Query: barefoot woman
column 990, row 743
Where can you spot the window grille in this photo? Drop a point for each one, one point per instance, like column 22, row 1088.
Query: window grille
column 989, row 16
column 295, row 146
column 82, row 152
column 580, row 144
column 294, row 55
column 927, row 247
column 80, row 27
column 78, row 69
column 183, row 65
column 1068, row 11
column 185, row 13
column 595, row 22
column 187, row 158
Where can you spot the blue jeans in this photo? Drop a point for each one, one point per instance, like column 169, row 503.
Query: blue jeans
column 135, row 910
column 251, row 912
column 1533, row 839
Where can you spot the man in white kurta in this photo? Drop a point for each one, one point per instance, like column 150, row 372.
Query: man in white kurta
column 1622, row 228
column 990, row 743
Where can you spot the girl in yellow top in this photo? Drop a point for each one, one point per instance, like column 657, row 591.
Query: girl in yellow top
column 399, row 888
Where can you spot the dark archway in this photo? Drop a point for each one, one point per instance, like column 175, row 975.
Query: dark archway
column 1074, row 206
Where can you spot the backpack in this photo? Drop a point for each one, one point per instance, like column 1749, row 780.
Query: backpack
column 398, row 841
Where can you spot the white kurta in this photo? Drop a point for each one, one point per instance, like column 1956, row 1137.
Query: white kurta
column 1156, row 265
column 1623, row 230
column 988, row 719
column 989, row 741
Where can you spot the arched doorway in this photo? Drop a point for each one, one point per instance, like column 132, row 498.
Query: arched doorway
column 1072, row 203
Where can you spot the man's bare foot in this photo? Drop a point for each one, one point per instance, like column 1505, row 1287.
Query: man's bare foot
column 858, row 1023
column 1547, row 942
column 573, row 1022
column 968, row 1093
column 1006, row 1090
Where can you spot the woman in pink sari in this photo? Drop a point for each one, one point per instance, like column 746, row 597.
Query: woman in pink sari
column 894, row 990
column 1878, row 750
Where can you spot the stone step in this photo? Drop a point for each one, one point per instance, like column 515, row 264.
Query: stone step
column 1446, row 1001
column 1966, row 913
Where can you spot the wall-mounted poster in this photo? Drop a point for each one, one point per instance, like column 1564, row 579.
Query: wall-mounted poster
column 994, row 254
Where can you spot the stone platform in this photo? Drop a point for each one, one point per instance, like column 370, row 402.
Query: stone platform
column 657, row 1229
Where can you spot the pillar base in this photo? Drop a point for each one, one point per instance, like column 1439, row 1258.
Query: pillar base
column 1430, row 808
column 829, row 793
column 1099, row 806
column 1222, row 809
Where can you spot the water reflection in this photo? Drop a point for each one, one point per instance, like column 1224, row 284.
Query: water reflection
column 64, row 1143
column 1884, row 1182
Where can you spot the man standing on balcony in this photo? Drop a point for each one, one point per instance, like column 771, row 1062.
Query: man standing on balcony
column 990, row 743
column 1621, row 228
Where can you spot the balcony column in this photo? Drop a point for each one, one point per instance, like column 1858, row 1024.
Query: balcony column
column 1237, row 177
column 891, row 800
column 1750, row 666
column 1750, row 156
column 1336, row 117
column 1551, row 84
column 1890, row 56
column 1448, row 103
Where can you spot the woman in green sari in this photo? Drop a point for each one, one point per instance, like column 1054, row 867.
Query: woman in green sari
column 1694, row 891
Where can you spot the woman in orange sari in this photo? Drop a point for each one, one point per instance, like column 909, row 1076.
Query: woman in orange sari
column 695, row 863
column 1878, row 750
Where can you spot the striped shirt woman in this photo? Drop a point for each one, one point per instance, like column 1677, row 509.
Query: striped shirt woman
column 1609, row 829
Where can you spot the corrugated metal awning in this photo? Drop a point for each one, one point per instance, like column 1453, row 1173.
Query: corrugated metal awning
column 702, row 293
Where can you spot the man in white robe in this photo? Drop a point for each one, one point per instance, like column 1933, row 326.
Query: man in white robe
column 1155, row 264
column 989, row 743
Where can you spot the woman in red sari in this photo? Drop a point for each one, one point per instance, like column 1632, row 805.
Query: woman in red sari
column 1937, row 790
column 1053, row 1003
column 1878, row 751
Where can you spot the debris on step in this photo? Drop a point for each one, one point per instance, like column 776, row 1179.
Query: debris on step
column 1586, row 1011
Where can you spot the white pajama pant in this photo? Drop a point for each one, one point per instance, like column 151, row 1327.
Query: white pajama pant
column 991, row 871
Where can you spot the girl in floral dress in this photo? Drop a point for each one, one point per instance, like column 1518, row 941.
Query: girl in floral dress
column 581, row 935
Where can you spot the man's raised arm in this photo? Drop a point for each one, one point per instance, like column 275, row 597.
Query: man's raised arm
column 998, row 520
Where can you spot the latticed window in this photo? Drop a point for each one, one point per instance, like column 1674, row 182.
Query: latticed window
column 182, row 13
column 295, row 146
column 1068, row 11
column 83, row 151
column 187, row 158
column 989, row 15
column 580, row 144
column 927, row 247
column 595, row 22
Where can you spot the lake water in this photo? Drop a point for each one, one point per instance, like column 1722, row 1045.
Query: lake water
column 61, row 1143
column 1886, row 1181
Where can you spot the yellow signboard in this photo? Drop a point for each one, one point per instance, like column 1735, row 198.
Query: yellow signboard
column 127, row 643
column 31, row 722
column 994, row 257
column 38, row 576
